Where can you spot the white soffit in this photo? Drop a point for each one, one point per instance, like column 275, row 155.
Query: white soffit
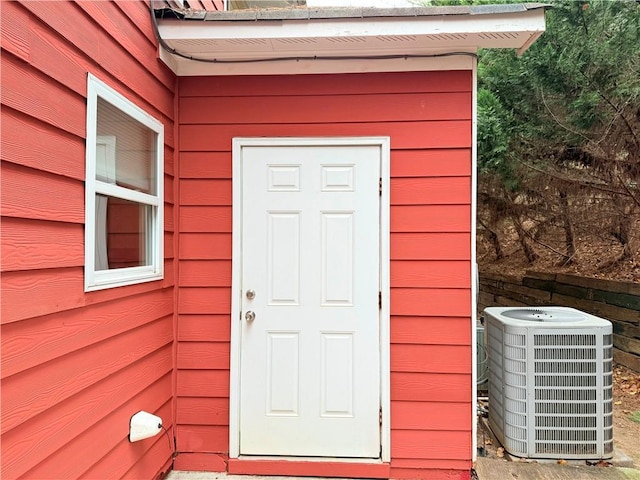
column 281, row 42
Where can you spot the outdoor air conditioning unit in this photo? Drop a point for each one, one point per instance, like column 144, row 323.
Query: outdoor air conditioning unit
column 550, row 382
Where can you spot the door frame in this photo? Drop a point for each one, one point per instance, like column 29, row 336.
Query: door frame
column 236, row 277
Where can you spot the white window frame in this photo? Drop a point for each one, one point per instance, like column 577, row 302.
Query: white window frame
column 116, row 277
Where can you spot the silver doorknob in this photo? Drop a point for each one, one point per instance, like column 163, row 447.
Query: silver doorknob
column 251, row 294
column 250, row 316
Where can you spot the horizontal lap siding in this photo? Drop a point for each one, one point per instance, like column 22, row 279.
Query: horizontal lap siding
column 204, row 307
column 428, row 118
column 76, row 366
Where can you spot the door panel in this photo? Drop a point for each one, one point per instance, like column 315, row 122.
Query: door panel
column 310, row 360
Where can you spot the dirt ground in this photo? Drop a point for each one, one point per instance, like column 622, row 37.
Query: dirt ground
column 626, row 412
column 595, row 258
column 626, row 420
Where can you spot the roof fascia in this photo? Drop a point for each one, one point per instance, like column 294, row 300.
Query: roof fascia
column 222, row 42
column 527, row 21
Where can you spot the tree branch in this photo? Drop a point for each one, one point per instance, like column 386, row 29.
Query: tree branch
column 631, row 194
column 545, row 245
column 595, row 186
column 544, row 101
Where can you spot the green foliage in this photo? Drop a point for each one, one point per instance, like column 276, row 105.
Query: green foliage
column 494, row 127
column 590, row 50
column 576, row 82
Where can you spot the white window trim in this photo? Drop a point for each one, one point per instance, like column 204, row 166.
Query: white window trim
column 102, row 279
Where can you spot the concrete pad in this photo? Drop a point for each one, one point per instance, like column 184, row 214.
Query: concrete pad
column 491, row 469
column 182, row 475
column 487, row 469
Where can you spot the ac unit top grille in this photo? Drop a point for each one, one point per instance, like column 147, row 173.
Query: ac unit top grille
column 544, row 315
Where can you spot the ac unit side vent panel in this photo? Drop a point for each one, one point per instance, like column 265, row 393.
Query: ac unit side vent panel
column 550, row 382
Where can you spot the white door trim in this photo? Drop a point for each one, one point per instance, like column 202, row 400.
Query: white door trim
column 234, row 390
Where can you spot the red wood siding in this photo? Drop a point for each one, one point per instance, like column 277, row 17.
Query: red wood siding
column 428, row 117
column 76, row 366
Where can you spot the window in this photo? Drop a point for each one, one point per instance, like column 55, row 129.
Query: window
column 124, row 197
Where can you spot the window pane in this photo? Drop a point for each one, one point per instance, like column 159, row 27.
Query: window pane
column 122, row 233
column 126, row 150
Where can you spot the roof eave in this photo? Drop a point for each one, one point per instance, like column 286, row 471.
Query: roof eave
column 290, row 41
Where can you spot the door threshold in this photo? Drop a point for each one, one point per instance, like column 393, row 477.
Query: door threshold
column 284, row 458
column 309, row 467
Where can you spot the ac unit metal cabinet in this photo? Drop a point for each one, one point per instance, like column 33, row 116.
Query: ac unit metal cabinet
column 550, row 382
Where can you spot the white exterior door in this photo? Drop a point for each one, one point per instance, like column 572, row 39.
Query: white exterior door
column 310, row 359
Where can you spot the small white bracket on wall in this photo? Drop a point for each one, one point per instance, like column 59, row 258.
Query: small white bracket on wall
column 144, row 425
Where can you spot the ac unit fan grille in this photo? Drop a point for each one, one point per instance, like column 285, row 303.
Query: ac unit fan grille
column 566, row 422
column 553, row 340
column 565, row 409
column 567, row 393
column 567, row 449
column 553, row 435
column 565, row 381
column 565, row 368
column 565, row 354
